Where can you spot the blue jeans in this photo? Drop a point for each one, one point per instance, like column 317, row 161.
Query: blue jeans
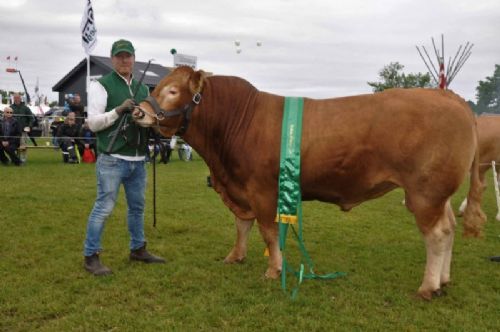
column 111, row 173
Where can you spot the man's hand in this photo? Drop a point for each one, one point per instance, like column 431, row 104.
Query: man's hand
column 5, row 144
column 26, row 129
column 127, row 105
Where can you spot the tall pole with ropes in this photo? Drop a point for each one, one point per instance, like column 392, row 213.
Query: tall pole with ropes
column 443, row 74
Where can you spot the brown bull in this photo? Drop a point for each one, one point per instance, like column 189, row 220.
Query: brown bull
column 353, row 149
column 488, row 128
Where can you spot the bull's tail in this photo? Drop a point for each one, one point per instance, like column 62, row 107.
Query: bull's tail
column 474, row 217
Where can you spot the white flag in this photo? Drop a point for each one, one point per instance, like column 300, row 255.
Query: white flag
column 89, row 32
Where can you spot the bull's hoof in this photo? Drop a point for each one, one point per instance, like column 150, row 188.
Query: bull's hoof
column 234, row 260
column 428, row 294
column 445, row 283
column 439, row 293
column 272, row 273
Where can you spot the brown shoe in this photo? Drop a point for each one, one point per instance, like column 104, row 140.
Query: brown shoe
column 143, row 255
column 94, row 266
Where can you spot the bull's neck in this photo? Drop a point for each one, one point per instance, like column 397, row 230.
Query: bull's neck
column 218, row 128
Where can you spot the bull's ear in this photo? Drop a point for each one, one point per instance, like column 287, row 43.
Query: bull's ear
column 196, row 81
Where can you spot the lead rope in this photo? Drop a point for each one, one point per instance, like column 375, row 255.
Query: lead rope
column 289, row 210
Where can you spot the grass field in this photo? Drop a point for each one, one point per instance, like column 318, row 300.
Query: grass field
column 43, row 212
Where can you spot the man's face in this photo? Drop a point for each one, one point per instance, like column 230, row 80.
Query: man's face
column 17, row 99
column 70, row 119
column 7, row 113
column 123, row 63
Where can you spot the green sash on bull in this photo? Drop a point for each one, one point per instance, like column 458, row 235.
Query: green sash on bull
column 290, row 196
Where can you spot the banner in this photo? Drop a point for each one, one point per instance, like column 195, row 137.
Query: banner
column 89, row 32
column 184, row 60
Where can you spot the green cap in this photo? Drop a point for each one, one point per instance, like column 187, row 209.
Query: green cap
column 122, row 45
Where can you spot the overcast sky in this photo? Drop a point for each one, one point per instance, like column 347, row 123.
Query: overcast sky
column 315, row 48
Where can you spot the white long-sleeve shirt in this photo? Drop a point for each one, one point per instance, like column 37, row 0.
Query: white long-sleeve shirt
column 98, row 118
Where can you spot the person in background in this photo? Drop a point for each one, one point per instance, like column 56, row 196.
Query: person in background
column 67, row 135
column 120, row 161
column 24, row 117
column 86, row 139
column 54, row 127
column 76, row 107
column 10, row 137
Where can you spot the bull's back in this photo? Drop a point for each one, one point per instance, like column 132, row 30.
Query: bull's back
column 362, row 146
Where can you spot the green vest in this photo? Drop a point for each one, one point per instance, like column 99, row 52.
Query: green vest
column 23, row 115
column 133, row 140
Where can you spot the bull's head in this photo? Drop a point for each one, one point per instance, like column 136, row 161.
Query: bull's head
column 168, row 109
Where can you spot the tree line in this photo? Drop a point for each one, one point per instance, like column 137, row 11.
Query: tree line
column 487, row 91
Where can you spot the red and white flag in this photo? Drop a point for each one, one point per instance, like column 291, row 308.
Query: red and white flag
column 442, row 77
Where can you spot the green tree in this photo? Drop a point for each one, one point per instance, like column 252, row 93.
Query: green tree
column 488, row 94
column 392, row 76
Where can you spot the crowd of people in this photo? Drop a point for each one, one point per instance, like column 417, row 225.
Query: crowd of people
column 15, row 129
column 70, row 133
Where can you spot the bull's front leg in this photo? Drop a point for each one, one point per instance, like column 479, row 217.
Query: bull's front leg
column 270, row 234
column 239, row 251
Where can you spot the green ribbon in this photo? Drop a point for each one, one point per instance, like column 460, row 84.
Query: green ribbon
column 290, row 195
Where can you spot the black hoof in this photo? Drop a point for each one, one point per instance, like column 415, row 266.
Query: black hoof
column 438, row 293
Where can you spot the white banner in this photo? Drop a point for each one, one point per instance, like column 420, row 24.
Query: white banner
column 184, row 60
column 89, row 32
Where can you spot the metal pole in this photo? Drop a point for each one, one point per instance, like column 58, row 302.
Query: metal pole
column 452, row 66
column 428, row 68
column 154, row 183
column 87, row 81
column 497, row 191
column 428, row 57
column 460, row 58
column 24, row 85
column 442, row 49
column 142, row 78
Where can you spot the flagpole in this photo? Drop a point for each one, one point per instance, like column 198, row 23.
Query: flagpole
column 89, row 39
column 87, row 79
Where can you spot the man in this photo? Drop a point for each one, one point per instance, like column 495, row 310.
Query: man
column 24, row 117
column 76, row 106
column 120, row 161
column 10, row 136
column 67, row 136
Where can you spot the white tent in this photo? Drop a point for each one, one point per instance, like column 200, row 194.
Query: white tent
column 39, row 110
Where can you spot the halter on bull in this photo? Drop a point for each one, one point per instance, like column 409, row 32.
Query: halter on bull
column 421, row 140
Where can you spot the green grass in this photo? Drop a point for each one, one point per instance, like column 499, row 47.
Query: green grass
column 43, row 213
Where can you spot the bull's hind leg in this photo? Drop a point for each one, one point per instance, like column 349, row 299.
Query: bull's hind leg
column 445, row 271
column 239, row 251
column 438, row 227
column 269, row 233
